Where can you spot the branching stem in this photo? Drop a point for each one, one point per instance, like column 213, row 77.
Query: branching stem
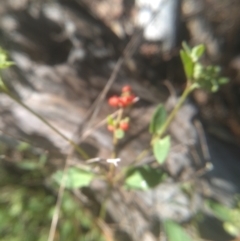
column 71, row 142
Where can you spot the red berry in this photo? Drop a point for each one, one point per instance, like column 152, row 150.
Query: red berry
column 126, row 100
column 110, row 128
column 113, row 101
column 131, row 98
column 126, row 88
column 123, row 101
column 124, row 126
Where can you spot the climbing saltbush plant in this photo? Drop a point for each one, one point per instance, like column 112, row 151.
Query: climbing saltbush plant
column 140, row 177
column 197, row 76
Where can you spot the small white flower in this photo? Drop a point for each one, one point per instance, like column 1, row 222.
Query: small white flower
column 114, row 161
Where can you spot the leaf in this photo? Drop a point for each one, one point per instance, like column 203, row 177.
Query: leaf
column 220, row 211
column 175, row 232
column 110, row 120
column 23, row 146
column 136, row 181
column 198, row 71
column 29, row 165
column 119, row 133
column 158, row 119
column 6, row 64
column 214, row 88
column 143, row 178
column 161, row 149
column 3, row 60
column 231, row 229
column 75, row 178
column 3, row 86
column 223, row 80
column 187, row 64
column 3, row 56
column 197, row 52
column 186, row 48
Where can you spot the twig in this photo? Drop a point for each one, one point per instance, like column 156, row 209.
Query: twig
column 71, row 142
column 59, row 202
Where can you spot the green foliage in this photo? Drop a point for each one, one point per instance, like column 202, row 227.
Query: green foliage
column 110, row 120
column 197, row 52
column 161, row 148
column 23, row 146
column 207, row 78
column 175, row 232
column 158, row 119
column 29, row 165
column 4, row 63
column 74, row 178
column 143, row 178
column 26, row 212
column 190, row 57
column 119, row 133
column 187, row 64
column 26, row 205
column 29, row 158
column 230, row 217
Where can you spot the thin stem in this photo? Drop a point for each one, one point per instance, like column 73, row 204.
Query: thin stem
column 72, row 143
column 55, row 218
column 141, row 156
column 110, row 176
column 115, row 139
column 189, row 88
column 115, row 142
column 103, row 210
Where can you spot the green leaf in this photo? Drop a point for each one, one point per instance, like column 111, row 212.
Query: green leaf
column 158, row 119
column 6, row 64
column 29, row 165
column 186, row 48
column 110, row 120
column 3, row 56
column 75, row 178
column 198, row 71
column 222, row 212
column 23, row 146
column 187, row 64
column 161, row 149
column 175, row 232
column 197, row 52
column 3, row 60
column 232, row 229
column 136, row 181
column 143, row 178
column 214, row 88
column 3, row 86
column 223, row 80
column 119, row 133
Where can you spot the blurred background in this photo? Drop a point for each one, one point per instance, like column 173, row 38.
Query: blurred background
column 64, row 52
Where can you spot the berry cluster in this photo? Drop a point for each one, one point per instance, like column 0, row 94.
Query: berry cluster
column 123, row 125
column 126, row 98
